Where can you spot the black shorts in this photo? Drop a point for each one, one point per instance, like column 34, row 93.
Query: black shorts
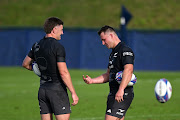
column 53, row 101
column 119, row 109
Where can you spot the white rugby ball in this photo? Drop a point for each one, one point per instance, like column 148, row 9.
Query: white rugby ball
column 119, row 78
column 36, row 69
column 163, row 90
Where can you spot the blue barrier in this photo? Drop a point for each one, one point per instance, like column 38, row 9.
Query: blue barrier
column 154, row 50
column 157, row 50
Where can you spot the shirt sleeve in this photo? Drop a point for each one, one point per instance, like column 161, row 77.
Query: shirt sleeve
column 60, row 54
column 31, row 52
column 127, row 56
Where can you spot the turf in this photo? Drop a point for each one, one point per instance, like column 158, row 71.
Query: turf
column 147, row 14
column 18, row 96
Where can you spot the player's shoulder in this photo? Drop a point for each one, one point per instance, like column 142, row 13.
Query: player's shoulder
column 59, row 46
column 55, row 42
column 126, row 50
column 36, row 45
column 125, row 47
column 39, row 42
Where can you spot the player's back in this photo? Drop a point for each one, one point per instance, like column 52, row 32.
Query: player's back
column 45, row 53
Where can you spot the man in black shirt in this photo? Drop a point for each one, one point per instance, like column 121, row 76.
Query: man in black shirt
column 49, row 54
column 120, row 59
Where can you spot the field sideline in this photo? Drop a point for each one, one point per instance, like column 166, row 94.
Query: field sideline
column 18, row 96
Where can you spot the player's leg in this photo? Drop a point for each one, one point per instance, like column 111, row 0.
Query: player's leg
column 122, row 118
column 46, row 117
column 109, row 117
column 62, row 117
column 117, row 110
column 44, row 105
column 60, row 104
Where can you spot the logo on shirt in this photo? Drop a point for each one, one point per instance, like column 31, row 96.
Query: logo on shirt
column 111, row 66
column 112, row 58
column 127, row 53
column 115, row 54
column 37, row 47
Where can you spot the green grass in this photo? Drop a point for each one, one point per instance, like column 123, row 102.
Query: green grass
column 19, row 87
column 148, row 14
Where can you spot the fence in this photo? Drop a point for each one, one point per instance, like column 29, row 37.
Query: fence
column 154, row 50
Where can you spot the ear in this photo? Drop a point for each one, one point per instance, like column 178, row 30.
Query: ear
column 112, row 35
column 54, row 30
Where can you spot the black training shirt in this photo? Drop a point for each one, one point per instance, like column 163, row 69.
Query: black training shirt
column 47, row 52
column 119, row 57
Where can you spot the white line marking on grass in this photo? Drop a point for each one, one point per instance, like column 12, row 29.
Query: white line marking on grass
column 130, row 117
column 147, row 80
column 80, row 83
column 155, row 80
column 153, row 116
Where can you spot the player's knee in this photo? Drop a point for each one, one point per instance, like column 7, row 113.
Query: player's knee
column 121, row 118
column 62, row 117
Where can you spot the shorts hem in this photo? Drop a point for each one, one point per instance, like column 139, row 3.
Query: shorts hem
column 115, row 116
column 46, row 113
column 62, row 113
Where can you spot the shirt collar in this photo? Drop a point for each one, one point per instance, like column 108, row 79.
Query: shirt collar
column 51, row 38
column 117, row 46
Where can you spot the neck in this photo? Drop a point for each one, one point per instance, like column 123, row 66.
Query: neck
column 49, row 35
column 116, row 42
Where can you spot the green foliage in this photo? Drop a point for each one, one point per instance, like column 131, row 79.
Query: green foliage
column 19, row 87
column 148, row 14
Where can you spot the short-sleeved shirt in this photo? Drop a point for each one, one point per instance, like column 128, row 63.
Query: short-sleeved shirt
column 119, row 57
column 47, row 52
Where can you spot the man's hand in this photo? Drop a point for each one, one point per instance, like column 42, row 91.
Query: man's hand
column 87, row 79
column 119, row 96
column 75, row 99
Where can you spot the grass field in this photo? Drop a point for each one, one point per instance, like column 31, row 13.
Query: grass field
column 18, row 96
column 147, row 14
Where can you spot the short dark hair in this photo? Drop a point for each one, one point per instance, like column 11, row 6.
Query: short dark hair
column 50, row 23
column 105, row 29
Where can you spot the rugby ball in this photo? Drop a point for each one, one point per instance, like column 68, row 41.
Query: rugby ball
column 119, row 78
column 36, row 69
column 163, row 90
